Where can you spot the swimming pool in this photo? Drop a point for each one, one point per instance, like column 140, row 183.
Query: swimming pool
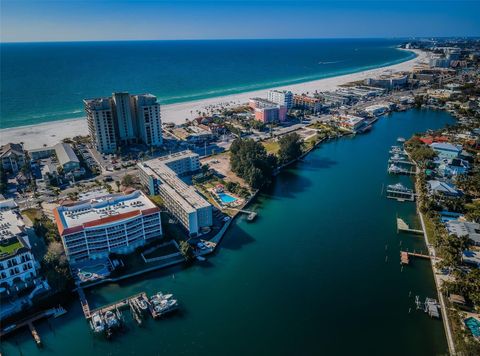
column 225, row 198
column 474, row 326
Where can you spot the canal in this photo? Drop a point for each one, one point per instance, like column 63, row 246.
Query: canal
column 317, row 273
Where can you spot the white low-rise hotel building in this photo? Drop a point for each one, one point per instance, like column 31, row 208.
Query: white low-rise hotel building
column 17, row 263
column 351, row 122
column 160, row 176
column 116, row 223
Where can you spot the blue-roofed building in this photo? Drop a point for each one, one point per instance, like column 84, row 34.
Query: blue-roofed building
column 446, row 150
column 465, row 228
column 471, row 258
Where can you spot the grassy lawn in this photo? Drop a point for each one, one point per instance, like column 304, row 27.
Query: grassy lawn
column 10, row 247
column 271, row 146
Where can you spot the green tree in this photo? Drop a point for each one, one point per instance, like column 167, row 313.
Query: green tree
column 187, row 251
column 128, row 180
column 250, row 161
column 56, row 269
column 290, row 147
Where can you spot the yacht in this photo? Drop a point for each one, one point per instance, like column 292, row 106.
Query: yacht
column 97, row 323
column 166, row 306
column 111, row 320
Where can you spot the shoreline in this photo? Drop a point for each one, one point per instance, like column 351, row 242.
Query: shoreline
column 49, row 133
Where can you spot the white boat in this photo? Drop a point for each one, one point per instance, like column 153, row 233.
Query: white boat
column 111, row 319
column 166, row 306
column 142, row 303
column 97, row 323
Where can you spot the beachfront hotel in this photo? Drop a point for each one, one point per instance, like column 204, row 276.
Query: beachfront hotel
column 119, row 223
column 161, row 177
column 17, row 263
column 266, row 111
column 307, row 102
column 123, row 119
column 281, row 97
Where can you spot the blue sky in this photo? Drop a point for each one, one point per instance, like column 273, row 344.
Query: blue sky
column 75, row 20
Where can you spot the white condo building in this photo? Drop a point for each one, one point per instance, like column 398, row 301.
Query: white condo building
column 117, row 223
column 101, row 125
column 123, row 119
column 161, row 177
column 281, row 97
column 17, row 263
column 147, row 111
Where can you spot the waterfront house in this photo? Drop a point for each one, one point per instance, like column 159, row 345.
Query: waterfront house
column 442, row 188
column 446, row 150
column 471, row 257
column 465, row 228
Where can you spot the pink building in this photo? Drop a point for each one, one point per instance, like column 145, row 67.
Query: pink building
column 267, row 111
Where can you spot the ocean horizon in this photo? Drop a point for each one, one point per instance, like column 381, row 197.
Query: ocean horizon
column 47, row 81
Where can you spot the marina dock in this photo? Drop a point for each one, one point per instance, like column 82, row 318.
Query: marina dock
column 84, row 302
column 405, row 256
column 251, row 214
column 121, row 304
column 403, row 226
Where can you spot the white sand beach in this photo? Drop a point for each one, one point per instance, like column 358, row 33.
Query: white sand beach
column 36, row 136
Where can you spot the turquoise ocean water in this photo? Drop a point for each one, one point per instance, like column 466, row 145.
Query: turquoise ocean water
column 42, row 82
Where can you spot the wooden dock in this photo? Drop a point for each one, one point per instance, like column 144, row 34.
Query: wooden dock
column 121, row 304
column 403, row 226
column 29, row 322
column 405, row 256
column 251, row 214
column 84, row 302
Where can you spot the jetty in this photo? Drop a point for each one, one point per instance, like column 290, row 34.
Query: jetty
column 251, row 214
column 400, row 193
column 84, row 302
column 29, row 322
column 405, row 256
column 403, row 226
column 121, row 304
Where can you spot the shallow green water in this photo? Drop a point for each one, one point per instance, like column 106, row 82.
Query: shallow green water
column 307, row 277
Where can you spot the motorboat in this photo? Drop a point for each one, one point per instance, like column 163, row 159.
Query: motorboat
column 166, row 306
column 111, row 320
column 97, row 323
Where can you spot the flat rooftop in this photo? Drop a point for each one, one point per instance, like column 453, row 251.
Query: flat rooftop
column 184, row 194
column 102, row 209
column 11, row 224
